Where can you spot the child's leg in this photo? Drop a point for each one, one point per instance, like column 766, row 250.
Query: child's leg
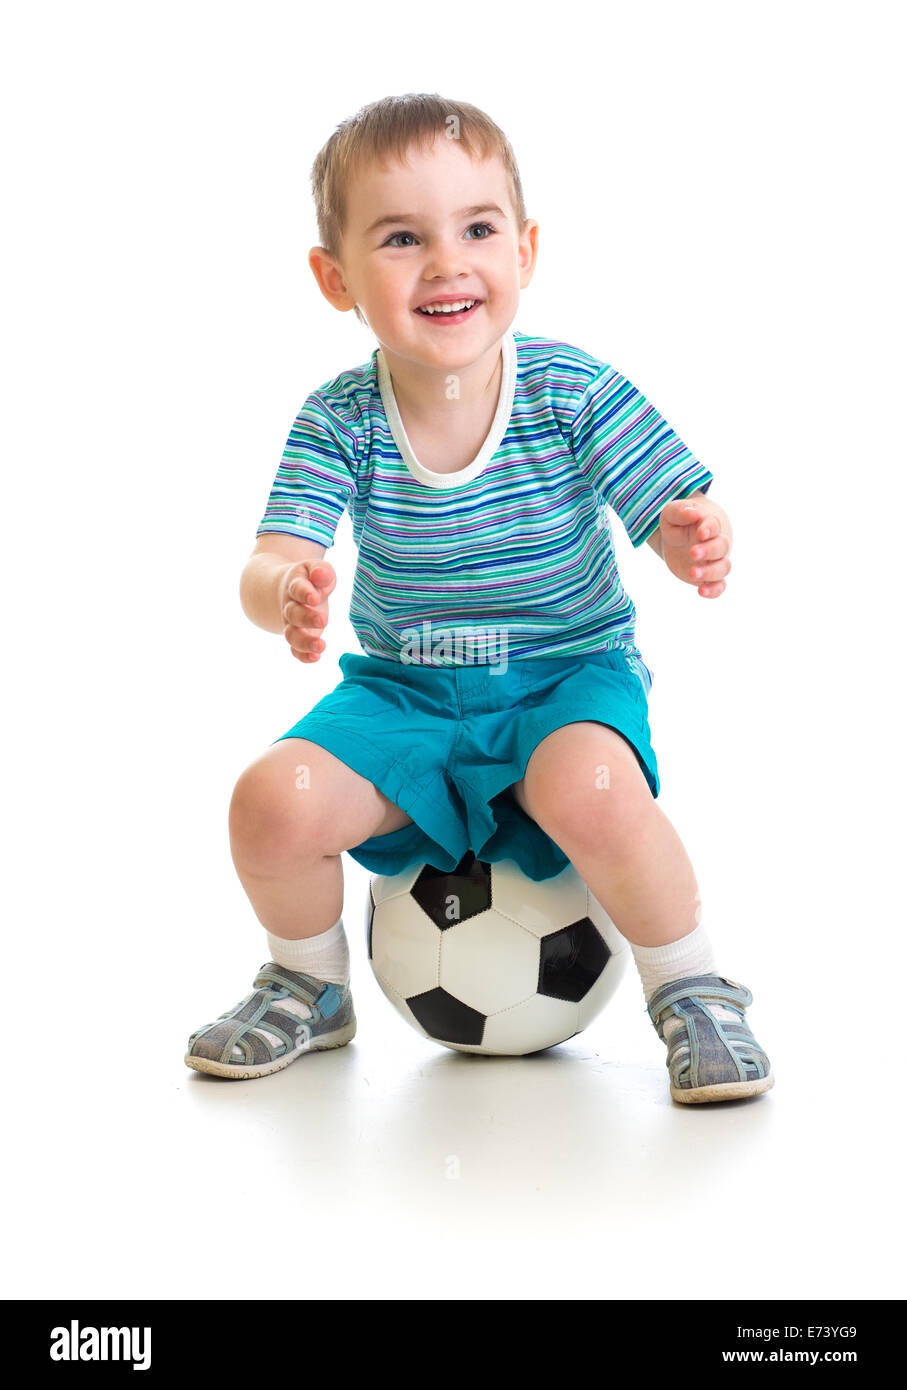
column 294, row 810
column 584, row 787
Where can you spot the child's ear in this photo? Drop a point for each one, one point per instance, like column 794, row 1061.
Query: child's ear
column 329, row 274
column 528, row 250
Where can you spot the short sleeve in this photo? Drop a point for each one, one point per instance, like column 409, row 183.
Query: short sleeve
column 634, row 460
column 316, row 477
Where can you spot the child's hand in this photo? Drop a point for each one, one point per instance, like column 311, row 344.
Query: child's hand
column 303, row 597
column 695, row 544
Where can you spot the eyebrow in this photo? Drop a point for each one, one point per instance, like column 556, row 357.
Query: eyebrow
column 413, row 217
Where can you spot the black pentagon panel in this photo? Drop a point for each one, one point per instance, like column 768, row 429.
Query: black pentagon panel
column 469, row 883
column 572, row 960
column 447, row 1019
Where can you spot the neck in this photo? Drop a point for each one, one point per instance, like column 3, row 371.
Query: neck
column 431, row 391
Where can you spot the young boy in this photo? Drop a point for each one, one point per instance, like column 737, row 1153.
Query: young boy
column 477, row 463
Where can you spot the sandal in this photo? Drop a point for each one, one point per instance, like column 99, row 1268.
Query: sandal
column 709, row 1057
column 264, row 1033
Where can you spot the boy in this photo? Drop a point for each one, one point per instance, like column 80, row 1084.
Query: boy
column 477, row 463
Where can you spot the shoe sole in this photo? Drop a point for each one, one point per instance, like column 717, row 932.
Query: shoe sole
column 238, row 1072
column 725, row 1090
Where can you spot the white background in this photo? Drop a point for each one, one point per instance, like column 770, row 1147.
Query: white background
column 718, row 188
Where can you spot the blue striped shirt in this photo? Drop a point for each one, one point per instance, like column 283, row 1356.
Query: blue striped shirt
column 513, row 553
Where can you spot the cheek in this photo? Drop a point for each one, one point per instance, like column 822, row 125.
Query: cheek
column 380, row 276
column 505, row 274
column 388, row 299
column 396, row 292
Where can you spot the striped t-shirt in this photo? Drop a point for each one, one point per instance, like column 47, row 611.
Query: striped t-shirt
column 512, row 556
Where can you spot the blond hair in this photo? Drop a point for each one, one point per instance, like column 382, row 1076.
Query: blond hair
column 387, row 129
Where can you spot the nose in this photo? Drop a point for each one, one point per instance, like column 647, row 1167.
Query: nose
column 446, row 259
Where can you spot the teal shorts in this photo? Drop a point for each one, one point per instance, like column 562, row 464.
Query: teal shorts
column 444, row 743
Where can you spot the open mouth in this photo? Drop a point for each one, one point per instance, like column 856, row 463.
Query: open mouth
column 457, row 312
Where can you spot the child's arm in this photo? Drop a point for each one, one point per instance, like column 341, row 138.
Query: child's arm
column 260, row 583
column 694, row 538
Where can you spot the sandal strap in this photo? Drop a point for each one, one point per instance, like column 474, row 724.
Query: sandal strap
column 707, row 1053
column 303, row 987
column 708, row 988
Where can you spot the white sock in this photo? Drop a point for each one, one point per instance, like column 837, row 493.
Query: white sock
column 690, row 955
column 326, row 956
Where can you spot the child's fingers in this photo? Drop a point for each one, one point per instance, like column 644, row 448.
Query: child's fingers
column 702, row 523
column 312, row 583
column 302, row 640
column 714, row 549
column 683, row 525
column 323, row 580
column 681, row 514
column 303, row 592
column 302, row 616
column 302, row 643
column 705, row 574
column 300, row 636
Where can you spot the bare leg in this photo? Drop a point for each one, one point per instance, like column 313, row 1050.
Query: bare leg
column 293, row 811
column 585, row 788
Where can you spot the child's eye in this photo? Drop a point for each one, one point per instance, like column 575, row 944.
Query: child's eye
column 486, row 227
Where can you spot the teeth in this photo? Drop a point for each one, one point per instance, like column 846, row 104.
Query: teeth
column 454, row 308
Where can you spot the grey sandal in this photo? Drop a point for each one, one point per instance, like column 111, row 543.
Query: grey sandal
column 709, row 1058
column 264, row 1032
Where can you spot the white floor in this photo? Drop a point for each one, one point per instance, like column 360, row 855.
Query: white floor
column 393, row 1168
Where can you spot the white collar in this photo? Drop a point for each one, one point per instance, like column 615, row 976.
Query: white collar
column 492, row 440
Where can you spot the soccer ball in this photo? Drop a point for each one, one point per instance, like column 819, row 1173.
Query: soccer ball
column 484, row 959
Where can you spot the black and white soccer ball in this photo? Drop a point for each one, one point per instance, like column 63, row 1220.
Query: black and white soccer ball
column 484, row 959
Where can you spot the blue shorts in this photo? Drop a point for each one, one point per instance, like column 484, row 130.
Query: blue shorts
column 444, row 743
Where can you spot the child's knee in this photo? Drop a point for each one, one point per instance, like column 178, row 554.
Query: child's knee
column 587, row 785
column 275, row 822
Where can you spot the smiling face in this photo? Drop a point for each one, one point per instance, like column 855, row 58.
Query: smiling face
column 440, row 227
